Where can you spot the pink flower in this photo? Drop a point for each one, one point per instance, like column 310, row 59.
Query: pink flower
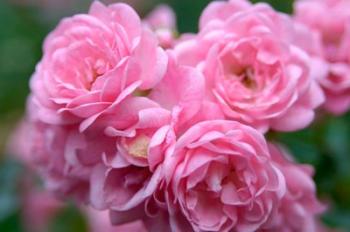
column 86, row 165
column 331, row 20
column 221, row 11
column 310, row 41
column 92, row 63
column 65, row 158
column 122, row 189
column 221, row 178
column 173, row 141
column 252, row 70
column 47, row 151
column 163, row 21
column 129, row 178
column 133, row 126
column 299, row 209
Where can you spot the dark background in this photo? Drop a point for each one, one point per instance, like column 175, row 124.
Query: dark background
column 23, row 26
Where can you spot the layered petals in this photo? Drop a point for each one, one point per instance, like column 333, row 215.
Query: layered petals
column 221, row 178
column 162, row 20
column 92, row 62
column 253, row 71
column 330, row 20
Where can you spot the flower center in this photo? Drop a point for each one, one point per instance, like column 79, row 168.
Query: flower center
column 245, row 76
column 98, row 68
column 94, row 77
column 248, row 78
column 141, row 93
column 139, row 146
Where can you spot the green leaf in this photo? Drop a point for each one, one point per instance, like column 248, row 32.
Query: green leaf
column 70, row 219
column 10, row 175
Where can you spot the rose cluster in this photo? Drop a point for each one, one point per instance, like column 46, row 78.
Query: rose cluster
column 170, row 130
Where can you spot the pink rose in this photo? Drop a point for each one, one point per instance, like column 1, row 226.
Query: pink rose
column 334, row 30
column 181, row 92
column 331, row 20
column 85, row 165
column 337, row 88
column 47, row 150
column 129, row 178
column 299, row 208
column 173, row 141
column 252, row 70
column 65, row 158
column 221, row 178
column 92, row 63
column 221, row 11
column 122, row 189
column 311, row 42
column 163, row 21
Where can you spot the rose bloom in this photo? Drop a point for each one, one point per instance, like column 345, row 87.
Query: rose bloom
column 64, row 156
column 163, row 21
column 92, row 63
column 87, row 165
column 331, row 20
column 133, row 126
column 221, row 178
column 252, row 70
column 300, row 208
column 67, row 159
column 126, row 181
column 40, row 206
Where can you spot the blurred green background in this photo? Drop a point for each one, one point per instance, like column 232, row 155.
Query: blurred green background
column 25, row 23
